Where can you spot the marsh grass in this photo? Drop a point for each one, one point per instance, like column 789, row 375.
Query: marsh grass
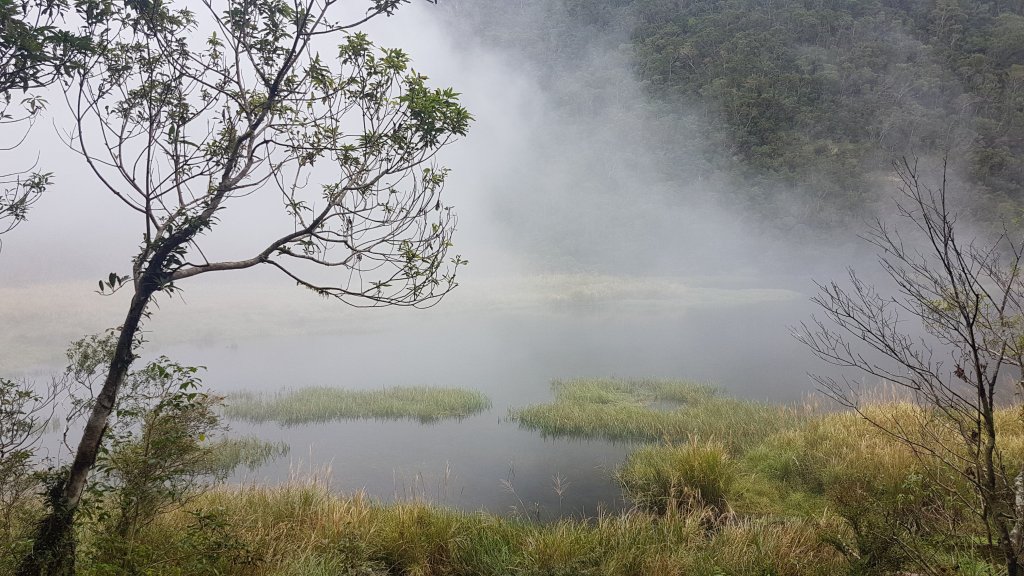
column 826, row 493
column 884, row 492
column 303, row 529
column 630, row 391
column 732, row 460
column 692, row 476
column 310, row 405
column 653, row 411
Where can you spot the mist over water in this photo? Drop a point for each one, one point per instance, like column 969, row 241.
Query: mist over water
column 512, row 357
column 600, row 244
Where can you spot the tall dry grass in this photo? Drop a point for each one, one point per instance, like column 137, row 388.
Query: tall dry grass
column 303, row 529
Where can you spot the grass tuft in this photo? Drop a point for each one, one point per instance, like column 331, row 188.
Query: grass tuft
column 692, row 476
column 310, row 405
column 655, row 410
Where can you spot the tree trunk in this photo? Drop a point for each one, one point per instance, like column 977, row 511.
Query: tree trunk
column 53, row 550
column 990, row 492
column 1017, row 533
column 1013, row 565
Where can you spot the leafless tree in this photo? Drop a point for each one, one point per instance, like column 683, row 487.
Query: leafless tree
column 191, row 113
column 968, row 300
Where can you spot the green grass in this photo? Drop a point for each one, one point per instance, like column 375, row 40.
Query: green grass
column 325, row 404
column 692, row 476
column 630, row 391
column 826, row 495
column 733, row 459
column 654, row 410
column 812, row 493
column 306, row 530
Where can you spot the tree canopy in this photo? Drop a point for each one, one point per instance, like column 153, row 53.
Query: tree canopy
column 803, row 102
column 39, row 48
column 186, row 111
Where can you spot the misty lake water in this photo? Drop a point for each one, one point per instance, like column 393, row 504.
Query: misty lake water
column 508, row 340
column 486, row 461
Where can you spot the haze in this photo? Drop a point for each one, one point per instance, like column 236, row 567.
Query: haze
column 566, row 214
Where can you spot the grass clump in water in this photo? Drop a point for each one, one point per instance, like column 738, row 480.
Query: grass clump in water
column 692, row 476
column 325, row 404
column 654, row 410
column 642, row 392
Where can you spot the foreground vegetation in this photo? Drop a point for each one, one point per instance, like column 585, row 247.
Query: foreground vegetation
column 305, row 530
column 732, row 460
column 815, row 493
column 324, row 404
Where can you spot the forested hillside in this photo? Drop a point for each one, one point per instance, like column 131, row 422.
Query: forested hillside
column 811, row 99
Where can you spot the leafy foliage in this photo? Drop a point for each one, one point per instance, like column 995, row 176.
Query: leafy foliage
column 363, row 197
column 189, row 126
column 25, row 412
column 37, row 49
column 160, row 452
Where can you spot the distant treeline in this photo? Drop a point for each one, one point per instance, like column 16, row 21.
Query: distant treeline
column 815, row 97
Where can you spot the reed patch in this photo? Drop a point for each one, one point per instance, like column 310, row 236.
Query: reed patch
column 229, row 454
column 648, row 410
column 693, row 476
column 303, row 529
column 310, row 405
column 825, row 494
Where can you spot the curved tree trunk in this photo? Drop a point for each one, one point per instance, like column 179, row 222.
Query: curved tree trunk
column 53, row 550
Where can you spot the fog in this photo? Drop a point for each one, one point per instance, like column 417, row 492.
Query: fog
column 599, row 242
column 566, row 173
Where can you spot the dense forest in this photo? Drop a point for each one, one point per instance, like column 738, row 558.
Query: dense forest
column 808, row 99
